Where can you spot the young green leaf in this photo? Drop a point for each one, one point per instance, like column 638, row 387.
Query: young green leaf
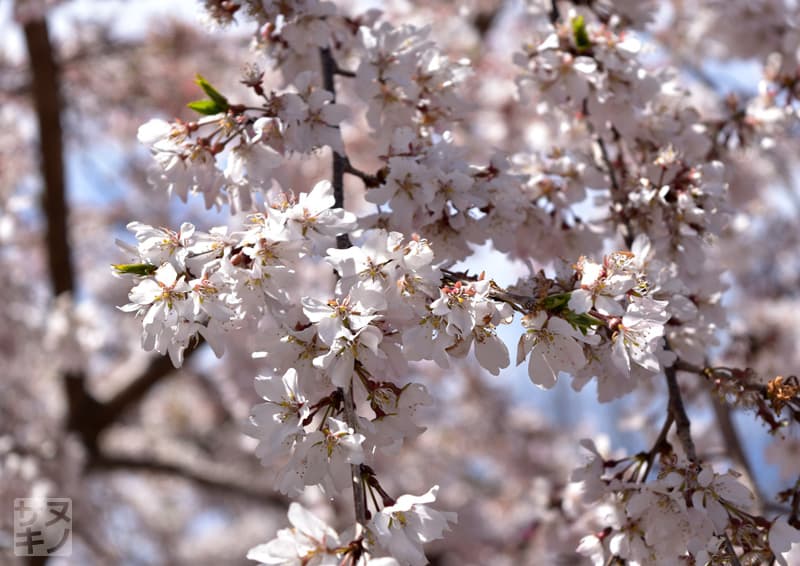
column 579, row 33
column 141, row 269
column 206, row 107
column 555, row 303
column 581, row 321
column 212, row 93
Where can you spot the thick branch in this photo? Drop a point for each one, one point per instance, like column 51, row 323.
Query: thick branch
column 47, row 102
column 159, row 368
column 90, row 417
column 554, row 13
column 87, row 55
column 87, row 416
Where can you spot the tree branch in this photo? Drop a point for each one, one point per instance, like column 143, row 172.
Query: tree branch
column 682, row 424
column 83, row 56
column 136, row 390
column 339, row 164
column 47, row 103
column 658, row 445
column 554, row 13
column 86, row 416
column 733, row 446
column 210, row 477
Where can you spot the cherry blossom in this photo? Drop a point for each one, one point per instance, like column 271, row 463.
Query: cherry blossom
column 552, row 345
column 403, row 527
column 614, row 195
column 309, row 541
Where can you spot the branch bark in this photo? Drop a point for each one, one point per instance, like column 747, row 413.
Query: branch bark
column 47, row 103
column 683, row 426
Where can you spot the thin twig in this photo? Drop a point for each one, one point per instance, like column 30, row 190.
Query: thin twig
column 683, row 425
column 617, row 195
column 554, row 13
column 733, row 445
column 657, row 445
column 731, row 552
column 730, row 437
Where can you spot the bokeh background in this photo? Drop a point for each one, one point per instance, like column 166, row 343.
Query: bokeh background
column 156, row 459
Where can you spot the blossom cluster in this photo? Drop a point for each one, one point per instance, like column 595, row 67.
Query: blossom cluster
column 400, row 528
column 189, row 155
column 687, row 510
column 192, row 282
column 336, row 381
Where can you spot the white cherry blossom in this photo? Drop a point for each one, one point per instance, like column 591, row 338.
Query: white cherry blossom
column 552, row 346
column 402, row 528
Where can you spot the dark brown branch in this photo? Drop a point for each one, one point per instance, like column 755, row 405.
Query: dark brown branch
column 370, row 181
column 86, row 415
column 554, row 13
column 159, row 368
column 84, row 56
column 344, row 72
column 340, row 162
column 329, row 67
column 90, row 418
column 47, row 102
column 616, row 188
column 794, row 517
column 682, row 424
column 658, row 445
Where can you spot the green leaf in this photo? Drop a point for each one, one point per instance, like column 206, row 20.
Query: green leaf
column 579, row 33
column 141, row 269
column 212, row 93
column 581, row 321
column 556, row 302
column 206, row 107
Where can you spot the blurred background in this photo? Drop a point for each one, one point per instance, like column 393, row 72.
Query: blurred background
column 155, row 459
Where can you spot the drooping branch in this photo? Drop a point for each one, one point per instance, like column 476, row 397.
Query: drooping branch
column 683, row 426
column 339, row 166
column 658, row 445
